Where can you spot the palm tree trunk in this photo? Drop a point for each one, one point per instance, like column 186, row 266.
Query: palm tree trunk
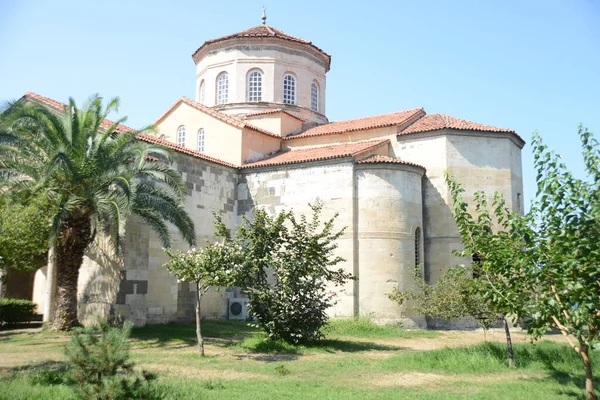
column 73, row 238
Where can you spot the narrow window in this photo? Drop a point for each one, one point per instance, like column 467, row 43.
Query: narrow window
column 289, row 89
column 163, row 137
column 201, row 140
column 222, row 88
column 254, row 86
column 314, row 96
column 181, row 136
column 417, row 247
column 202, row 93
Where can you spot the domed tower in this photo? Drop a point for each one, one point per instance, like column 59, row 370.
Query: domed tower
column 260, row 69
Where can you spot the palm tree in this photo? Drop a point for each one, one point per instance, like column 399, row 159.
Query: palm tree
column 97, row 173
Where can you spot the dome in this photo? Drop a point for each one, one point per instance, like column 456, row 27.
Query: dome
column 260, row 69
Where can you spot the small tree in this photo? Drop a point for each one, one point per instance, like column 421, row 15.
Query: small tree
column 455, row 295
column 98, row 357
column 212, row 266
column 544, row 267
column 288, row 271
column 499, row 262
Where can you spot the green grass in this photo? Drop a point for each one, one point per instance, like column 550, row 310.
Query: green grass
column 366, row 328
column 357, row 360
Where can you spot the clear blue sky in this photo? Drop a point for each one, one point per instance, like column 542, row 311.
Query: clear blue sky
column 526, row 65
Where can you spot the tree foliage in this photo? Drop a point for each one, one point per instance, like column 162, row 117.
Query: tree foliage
column 100, row 367
column 288, row 271
column 97, row 174
column 544, row 267
column 24, row 233
column 454, row 295
column 212, row 266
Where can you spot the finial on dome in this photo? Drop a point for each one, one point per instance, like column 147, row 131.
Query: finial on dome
column 264, row 16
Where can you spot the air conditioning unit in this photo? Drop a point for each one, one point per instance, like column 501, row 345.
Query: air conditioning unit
column 238, row 309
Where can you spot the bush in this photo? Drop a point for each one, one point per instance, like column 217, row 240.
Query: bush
column 99, row 362
column 15, row 311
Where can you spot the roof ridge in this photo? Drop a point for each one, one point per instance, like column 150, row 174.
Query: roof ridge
column 226, row 118
column 397, row 118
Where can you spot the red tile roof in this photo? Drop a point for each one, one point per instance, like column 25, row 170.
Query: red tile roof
column 273, row 111
column 319, row 153
column 359, row 124
column 122, row 128
column 262, row 31
column 60, row 106
column 228, row 119
column 434, row 122
column 181, row 149
column 377, row 159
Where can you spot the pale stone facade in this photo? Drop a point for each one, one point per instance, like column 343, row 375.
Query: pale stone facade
column 383, row 175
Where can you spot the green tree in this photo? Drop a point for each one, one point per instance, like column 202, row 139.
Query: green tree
column 96, row 174
column 566, row 220
column 455, row 295
column 212, row 266
column 544, row 267
column 25, row 233
column 288, row 271
column 98, row 357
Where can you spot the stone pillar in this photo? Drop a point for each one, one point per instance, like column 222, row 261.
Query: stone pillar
column 50, row 294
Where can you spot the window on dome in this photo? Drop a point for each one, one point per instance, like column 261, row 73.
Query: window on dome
column 222, row 88
column 163, row 137
column 181, row 136
column 201, row 140
column 202, row 94
column 289, row 89
column 314, row 96
column 255, row 86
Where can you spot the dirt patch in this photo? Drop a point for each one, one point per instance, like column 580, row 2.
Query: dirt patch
column 409, row 379
column 203, row 374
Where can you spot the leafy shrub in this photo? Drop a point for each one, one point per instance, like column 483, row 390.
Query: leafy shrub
column 288, row 271
column 100, row 367
column 15, row 311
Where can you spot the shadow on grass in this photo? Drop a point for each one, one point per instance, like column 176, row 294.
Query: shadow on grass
column 177, row 333
column 259, row 347
column 41, row 373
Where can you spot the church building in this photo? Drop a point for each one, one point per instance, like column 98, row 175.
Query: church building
column 257, row 135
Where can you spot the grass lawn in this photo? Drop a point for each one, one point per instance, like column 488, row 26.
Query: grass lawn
column 357, row 360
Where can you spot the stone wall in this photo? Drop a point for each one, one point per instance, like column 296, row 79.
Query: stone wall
column 297, row 185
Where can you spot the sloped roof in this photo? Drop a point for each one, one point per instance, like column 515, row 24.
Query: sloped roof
column 433, row 122
column 125, row 129
column 261, row 31
column 377, row 159
column 228, row 119
column 359, row 124
column 273, row 111
column 184, row 150
column 319, row 153
column 60, row 106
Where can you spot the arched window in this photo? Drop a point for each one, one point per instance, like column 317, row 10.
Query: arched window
column 289, row 89
column 254, row 86
column 417, row 247
column 314, row 96
column 202, row 92
column 222, row 88
column 163, row 137
column 201, row 140
column 181, row 136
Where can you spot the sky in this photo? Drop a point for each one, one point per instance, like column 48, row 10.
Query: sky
column 526, row 65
